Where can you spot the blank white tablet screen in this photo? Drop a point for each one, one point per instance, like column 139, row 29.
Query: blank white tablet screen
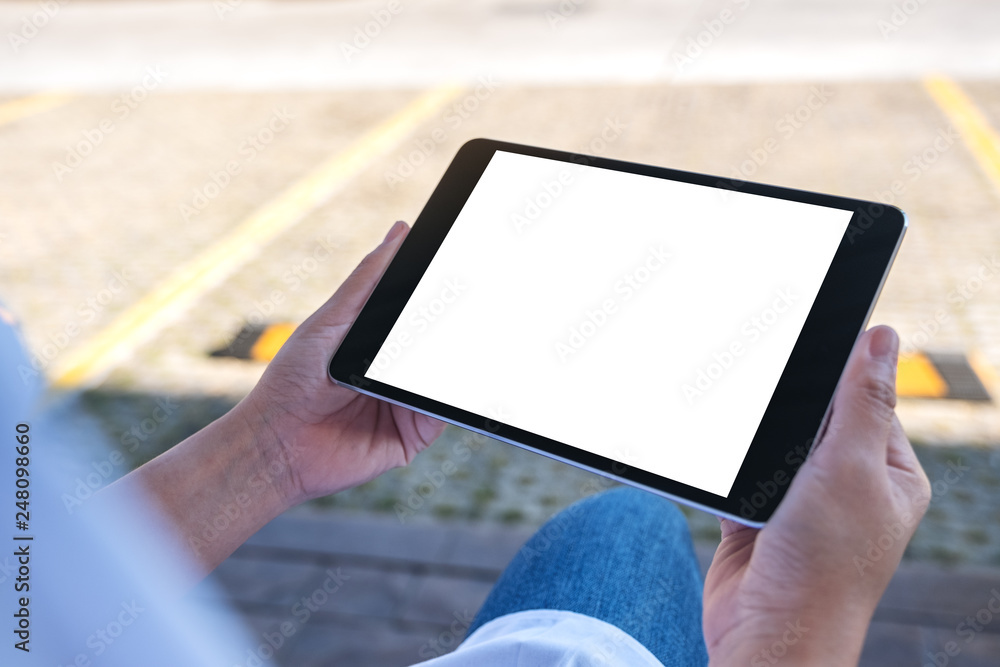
column 641, row 319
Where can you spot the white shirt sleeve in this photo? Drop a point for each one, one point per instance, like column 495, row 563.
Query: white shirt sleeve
column 546, row 637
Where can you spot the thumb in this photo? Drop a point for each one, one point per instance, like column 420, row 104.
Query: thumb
column 864, row 406
column 362, row 280
column 346, row 303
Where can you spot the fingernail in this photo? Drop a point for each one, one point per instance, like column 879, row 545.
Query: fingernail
column 884, row 344
column 394, row 231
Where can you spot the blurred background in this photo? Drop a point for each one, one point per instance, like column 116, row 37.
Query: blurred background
column 183, row 181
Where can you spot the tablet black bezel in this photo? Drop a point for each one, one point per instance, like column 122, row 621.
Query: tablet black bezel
column 803, row 393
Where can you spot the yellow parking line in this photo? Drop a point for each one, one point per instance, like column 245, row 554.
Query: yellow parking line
column 970, row 122
column 88, row 364
column 27, row 106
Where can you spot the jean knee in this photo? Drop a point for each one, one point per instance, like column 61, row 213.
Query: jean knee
column 640, row 507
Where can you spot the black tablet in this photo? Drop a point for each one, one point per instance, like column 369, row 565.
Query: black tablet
column 675, row 331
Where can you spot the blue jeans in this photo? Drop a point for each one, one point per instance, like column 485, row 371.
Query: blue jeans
column 623, row 556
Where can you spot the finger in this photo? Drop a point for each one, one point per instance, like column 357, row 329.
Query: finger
column 363, row 279
column 429, row 428
column 905, row 468
column 901, row 454
column 347, row 301
column 864, row 407
column 730, row 527
column 416, row 429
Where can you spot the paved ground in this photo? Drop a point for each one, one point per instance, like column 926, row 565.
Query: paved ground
column 150, row 175
column 397, row 606
column 106, row 191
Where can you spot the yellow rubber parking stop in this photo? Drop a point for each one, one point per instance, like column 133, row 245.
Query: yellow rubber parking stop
column 940, row 375
column 257, row 342
column 916, row 377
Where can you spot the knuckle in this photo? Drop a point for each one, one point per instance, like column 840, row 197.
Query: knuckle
column 366, row 266
column 878, row 393
column 366, row 262
column 925, row 491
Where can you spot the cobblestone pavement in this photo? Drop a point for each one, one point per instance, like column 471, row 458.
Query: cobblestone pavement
column 493, row 482
column 119, row 213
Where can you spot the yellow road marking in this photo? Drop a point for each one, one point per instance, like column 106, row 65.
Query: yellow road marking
column 27, row 106
column 916, row 377
column 88, row 364
column 970, row 122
